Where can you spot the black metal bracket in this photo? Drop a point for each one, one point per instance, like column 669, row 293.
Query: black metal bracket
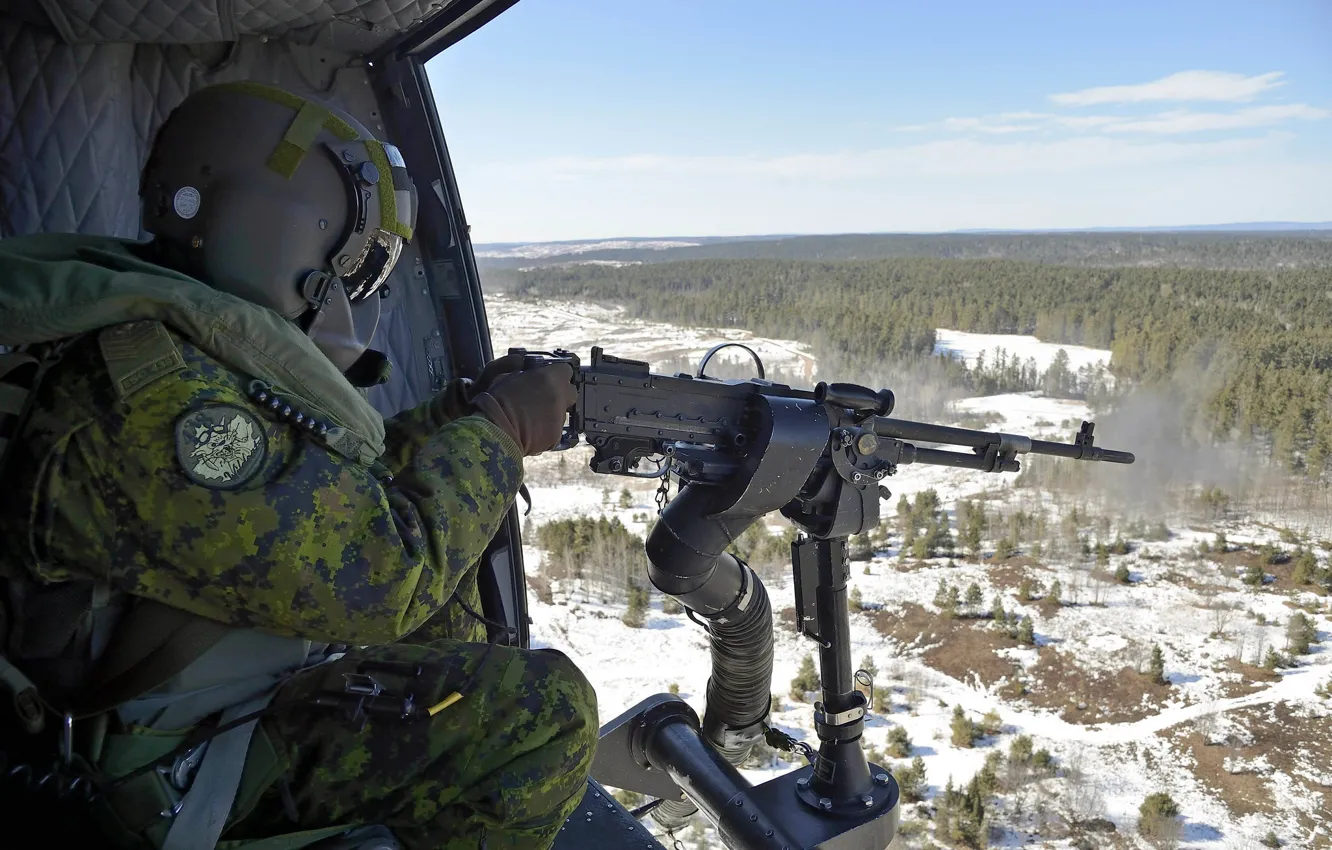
column 656, row 748
column 621, row 762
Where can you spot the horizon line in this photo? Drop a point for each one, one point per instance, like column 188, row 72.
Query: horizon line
column 1232, row 227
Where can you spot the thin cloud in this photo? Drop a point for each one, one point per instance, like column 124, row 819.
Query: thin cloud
column 1184, row 121
column 1172, row 122
column 1183, row 86
column 980, row 125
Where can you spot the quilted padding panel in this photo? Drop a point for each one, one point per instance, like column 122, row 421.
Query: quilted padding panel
column 67, row 156
column 76, row 123
column 134, row 20
column 278, row 17
column 198, row 21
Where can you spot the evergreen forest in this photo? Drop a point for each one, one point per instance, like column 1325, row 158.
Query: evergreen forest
column 1251, row 347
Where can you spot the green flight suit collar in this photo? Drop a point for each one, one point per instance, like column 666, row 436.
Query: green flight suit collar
column 54, row 286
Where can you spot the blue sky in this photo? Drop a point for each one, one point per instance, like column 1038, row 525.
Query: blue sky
column 581, row 119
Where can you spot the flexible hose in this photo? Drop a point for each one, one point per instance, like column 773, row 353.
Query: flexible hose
column 687, row 557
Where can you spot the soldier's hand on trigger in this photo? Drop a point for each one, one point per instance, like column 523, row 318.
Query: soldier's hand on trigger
column 455, row 400
column 495, row 369
column 530, row 405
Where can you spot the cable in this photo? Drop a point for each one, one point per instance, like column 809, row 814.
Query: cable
column 644, row 809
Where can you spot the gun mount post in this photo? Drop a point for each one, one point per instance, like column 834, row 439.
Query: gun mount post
column 842, row 781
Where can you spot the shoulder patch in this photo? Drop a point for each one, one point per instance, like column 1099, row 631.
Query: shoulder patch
column 220, row 446
column 138, row 353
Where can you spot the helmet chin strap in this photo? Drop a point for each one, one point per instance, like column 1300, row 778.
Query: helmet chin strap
column 336, row 325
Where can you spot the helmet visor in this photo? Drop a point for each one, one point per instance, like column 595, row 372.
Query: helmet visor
column 373, row 266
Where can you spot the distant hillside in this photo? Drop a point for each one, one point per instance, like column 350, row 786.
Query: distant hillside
column 1217, row 249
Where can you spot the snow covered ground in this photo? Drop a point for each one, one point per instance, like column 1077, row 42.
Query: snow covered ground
column 1196, row 610
column 543, row 250
column 969, row 346
column 547, row 324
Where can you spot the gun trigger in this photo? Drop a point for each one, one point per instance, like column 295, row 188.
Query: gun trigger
column 527, row 497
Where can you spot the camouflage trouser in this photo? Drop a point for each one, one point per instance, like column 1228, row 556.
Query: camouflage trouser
column 501, row 768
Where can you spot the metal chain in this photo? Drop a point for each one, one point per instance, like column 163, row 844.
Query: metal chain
column 777, row 739
column 676, row 844
column 664, row 493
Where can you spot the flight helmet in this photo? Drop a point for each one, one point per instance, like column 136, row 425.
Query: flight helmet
column 285, row 202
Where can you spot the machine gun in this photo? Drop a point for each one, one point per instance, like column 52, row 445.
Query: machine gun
column 740, row 449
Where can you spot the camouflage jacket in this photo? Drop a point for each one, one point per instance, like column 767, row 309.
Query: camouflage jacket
column 187, row 490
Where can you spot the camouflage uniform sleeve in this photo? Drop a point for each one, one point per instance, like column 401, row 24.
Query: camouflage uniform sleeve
column 409, row 430
column 280, row 534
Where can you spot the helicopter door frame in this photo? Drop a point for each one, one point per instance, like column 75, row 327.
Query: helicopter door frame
column 398, row 76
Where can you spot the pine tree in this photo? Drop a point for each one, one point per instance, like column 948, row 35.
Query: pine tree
column 954, row 602
column 806, row 679
column 997, row 612
column 860, row 548
column 1305, row 568
column 991, row 723
column 867, row 664
column 1122, row 574
column 1019, row 751
column 626, row 498
column 1300, row 633
column 911, row 780
column 1156, row 668
column 636, row 616
column 906, row 522
column 856, row 601
column 1026, row 632
column 943, row 817
column 974, row 598
column 963, row 730
column 1155, row 814
column 941, row 595
column 971, row 527
column 899, row 743
column 883, row 701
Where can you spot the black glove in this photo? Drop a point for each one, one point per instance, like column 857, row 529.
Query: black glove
column 455, row 400
column 492, row 371
column 530, row 406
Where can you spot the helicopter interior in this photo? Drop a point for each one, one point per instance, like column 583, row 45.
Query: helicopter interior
column 84, row 86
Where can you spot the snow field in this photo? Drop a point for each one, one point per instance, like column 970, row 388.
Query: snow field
column 969, row 346
column 545, row 250
column 547, row 325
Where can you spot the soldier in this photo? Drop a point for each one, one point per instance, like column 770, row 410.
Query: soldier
column 201, row 513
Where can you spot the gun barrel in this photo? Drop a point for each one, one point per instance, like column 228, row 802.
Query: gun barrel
column 1076, row 452
column 905, row 429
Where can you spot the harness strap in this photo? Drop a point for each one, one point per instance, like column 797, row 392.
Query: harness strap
column 204, row 809
column 19, row 373
column 152, row 643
